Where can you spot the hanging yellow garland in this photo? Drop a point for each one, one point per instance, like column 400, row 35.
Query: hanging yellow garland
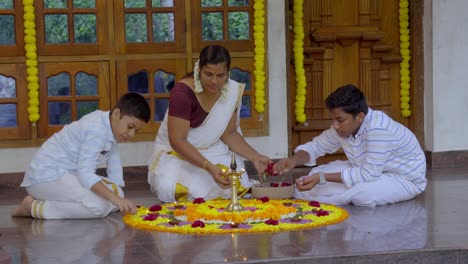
column 259, row 59
column 405, row 54
column 299, row 61
column 31, row 60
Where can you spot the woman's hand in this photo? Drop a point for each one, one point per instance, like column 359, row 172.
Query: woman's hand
column 219, row 176
column 260, row 163
column 306, row 183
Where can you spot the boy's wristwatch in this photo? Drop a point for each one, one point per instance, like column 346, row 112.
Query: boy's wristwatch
column 322, row 178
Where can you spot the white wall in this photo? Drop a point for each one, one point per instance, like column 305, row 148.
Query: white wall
column 447, row 92
column 275, row 145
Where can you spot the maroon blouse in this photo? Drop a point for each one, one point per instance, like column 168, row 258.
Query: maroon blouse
column 184, row 104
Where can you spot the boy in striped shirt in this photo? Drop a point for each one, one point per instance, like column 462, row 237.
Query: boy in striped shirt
column 385, row 161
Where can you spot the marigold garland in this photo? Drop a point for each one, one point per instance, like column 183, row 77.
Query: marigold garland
column 31, row 60
column 209, row 217
column 299, row 61
column 405, row 53
column 259, row 59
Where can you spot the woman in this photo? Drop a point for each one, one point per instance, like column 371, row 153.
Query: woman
column 199, row 131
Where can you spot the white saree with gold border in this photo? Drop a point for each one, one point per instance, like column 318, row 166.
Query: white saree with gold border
column 167, row 171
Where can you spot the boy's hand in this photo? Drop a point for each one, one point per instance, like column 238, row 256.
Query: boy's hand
column 125, row 205
column 284, row 165
column 306, row 183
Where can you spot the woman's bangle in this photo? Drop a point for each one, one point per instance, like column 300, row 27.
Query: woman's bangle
column 204, row 164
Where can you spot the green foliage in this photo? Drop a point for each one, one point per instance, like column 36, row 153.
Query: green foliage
column 84, row 3
column 85, row 28
column 134, row 3
column 6, row 4
column 163, row 27
column 136, row 28
column 212, row 26
column 55, row 3
column 56, row 29
column 238, row 2
column 7, row 30
column 238, row 25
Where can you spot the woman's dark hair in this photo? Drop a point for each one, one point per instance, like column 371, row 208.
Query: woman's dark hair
column 349, row 98
column 213, row 54
column 134, row 105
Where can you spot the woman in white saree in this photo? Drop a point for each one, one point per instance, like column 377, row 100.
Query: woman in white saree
column 199, row 131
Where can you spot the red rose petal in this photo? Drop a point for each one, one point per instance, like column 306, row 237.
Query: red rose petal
column 314, row 204
column 150, row 217
column 155, row 208
column 198, row 223
column 199, row 201
column 271, row 222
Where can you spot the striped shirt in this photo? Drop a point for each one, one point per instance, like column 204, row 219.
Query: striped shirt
column 78, row 149
column 381, row 146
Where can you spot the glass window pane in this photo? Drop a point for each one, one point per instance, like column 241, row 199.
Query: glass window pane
column 136, row 28
column 162, row 3
column 84, row 3
column 85, row 107
column 245, row 108
column 163, row 82
column 238, row 2
column 238, row 25
column 138, row 83
column 86, row 84
column 6, row 4
column 55, row 3
column 7, row 31
column 212, row 26
column 58, row 85
column 85, row 28
column 8, row 116
column 7, row 87
column 135, row 3
column 241, row 76
column 208, row 3
column 163, row 27
column 160, row 107
column 56, row 28
column 59, row 113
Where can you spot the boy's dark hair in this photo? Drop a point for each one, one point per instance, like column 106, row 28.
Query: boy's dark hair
column 214, row 54
column 134, row 104
column 349, row 98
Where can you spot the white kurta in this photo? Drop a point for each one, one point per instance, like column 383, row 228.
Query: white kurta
column 166, row 169
column 385, row 164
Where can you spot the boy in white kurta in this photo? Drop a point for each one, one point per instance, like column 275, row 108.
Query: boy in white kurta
column 61, row 179
column 385, row 161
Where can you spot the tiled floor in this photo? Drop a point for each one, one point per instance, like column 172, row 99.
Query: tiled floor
column 433, row 228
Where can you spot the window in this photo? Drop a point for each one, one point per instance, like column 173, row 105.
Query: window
column 90, row 52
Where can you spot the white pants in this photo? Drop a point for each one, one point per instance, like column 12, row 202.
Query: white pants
column 386, row 190
column 66, row 198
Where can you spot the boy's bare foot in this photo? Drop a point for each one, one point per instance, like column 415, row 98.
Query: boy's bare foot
column 24, row 209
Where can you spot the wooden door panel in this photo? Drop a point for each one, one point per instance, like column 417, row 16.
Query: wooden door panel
column 347, row 42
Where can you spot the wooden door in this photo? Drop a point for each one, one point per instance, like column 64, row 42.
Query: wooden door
column 347, row 42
